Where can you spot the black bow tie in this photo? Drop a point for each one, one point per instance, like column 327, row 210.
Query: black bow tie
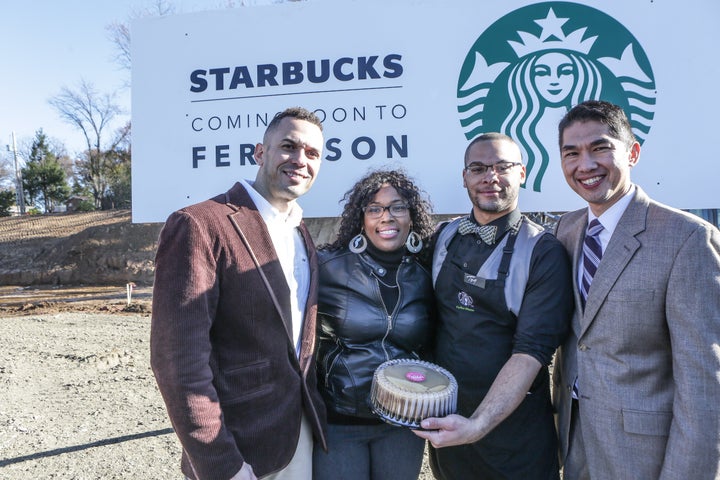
column 486, row 232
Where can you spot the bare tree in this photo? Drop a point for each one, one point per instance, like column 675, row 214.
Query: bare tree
column 120, row 31
column 92, row 113
column 7, row 176
column 119, row 178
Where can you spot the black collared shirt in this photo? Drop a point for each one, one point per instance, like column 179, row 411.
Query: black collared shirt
column 480, row 251
column 544, row 317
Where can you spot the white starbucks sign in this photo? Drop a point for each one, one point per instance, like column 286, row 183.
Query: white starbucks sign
column 407, row 84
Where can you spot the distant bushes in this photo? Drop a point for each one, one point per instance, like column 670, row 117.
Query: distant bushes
column 7, row 200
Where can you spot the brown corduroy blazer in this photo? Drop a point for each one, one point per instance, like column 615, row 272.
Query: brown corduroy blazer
column 221, row 346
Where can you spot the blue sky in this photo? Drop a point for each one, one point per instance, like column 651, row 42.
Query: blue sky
column 48, row 44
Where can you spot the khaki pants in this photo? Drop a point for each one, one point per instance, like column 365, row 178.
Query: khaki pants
column 300, row 467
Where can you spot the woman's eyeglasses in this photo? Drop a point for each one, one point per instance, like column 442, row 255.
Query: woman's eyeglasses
column 396, row 210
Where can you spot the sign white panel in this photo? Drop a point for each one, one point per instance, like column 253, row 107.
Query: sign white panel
column 409, row 83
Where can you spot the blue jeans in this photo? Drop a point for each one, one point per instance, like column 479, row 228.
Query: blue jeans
column 369, row 452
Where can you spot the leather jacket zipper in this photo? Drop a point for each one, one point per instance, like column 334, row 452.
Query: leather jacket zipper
column 387, row 332
column 388, row 315
column 328, row 368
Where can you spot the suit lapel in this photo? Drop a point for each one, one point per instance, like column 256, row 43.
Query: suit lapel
column 307, row 345
column 622, row 247
column 577, row 223
column 250, row 226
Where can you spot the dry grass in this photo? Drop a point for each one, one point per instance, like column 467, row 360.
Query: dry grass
column 16, row 229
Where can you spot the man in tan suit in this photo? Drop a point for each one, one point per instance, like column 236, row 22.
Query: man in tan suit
column 637, row 384
column 233, row 318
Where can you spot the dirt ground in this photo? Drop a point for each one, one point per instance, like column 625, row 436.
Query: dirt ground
column 78, row 400
column 77, row 397
column 90, row 248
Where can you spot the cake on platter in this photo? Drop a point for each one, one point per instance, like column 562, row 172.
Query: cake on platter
column 406, row 391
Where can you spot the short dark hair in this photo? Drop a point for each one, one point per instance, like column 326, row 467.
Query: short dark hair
column 488, row 137
column 298, row 113
column 360, row 195
column 599, row 111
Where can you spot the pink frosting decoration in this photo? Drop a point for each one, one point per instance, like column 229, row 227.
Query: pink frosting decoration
column 415, row 377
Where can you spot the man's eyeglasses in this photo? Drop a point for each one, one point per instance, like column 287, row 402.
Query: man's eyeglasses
column 396, row 210
column 500, row 168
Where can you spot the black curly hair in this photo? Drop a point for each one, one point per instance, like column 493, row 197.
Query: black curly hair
column 362, row 193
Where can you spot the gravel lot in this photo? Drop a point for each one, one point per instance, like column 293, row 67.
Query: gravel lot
column 78, row 400
column 77, row 397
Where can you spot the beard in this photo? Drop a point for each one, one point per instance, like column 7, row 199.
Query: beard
column 506, row 201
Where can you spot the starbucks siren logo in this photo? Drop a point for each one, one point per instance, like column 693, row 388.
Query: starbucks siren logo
column 530, row 66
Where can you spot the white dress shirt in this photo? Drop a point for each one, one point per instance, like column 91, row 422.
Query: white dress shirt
column 609, row 220
column 291, row 252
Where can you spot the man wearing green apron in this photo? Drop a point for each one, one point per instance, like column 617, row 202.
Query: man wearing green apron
column 504, row 295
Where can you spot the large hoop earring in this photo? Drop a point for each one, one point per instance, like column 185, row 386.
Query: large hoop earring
column 358, row 243
column 414, row 243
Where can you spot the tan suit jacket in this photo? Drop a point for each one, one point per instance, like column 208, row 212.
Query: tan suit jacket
column 646, row 350
column 221, row 340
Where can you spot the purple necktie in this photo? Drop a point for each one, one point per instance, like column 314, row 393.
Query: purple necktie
column 592, row 253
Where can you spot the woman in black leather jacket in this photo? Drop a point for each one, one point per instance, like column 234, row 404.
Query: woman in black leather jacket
column 375, row 304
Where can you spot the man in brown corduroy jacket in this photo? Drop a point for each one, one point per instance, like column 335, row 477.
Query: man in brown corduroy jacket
column 233, row 323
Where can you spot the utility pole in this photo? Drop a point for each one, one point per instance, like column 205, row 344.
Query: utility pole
column 19, row 193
